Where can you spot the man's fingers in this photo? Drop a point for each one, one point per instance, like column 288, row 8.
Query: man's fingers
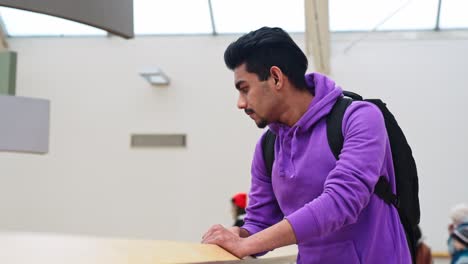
column 209, row 240
column 212, row 239
column 211, row 230
column 206, row 234
column 212, row 235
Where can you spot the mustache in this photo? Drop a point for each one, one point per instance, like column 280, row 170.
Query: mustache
column 249, row 111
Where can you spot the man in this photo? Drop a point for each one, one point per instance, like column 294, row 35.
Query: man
column 325, row 206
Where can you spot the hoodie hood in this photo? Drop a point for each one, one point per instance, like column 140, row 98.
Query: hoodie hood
column 326, row 92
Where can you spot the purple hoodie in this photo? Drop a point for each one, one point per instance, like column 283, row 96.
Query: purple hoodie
column 330, row 204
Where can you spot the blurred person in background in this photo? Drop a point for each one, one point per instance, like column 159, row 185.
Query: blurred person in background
column 423, row 251
column 458, row 244
column 458, row 215
column 458, row 234
column 238, row 202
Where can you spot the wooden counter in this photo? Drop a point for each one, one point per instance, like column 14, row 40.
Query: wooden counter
column 39, row 248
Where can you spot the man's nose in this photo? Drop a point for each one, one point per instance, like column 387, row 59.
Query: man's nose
column 241, row 102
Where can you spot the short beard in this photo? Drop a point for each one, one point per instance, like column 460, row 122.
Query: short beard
column 262, row 123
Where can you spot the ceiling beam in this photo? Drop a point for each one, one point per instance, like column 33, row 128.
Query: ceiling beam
column 437, row 26
column 115, row 16
column 317, row 34
column 213, row 24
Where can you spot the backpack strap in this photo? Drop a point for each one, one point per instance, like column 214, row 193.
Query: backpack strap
column 335, row 141
column 384, row 191
column 268, row 148
column 334, row 125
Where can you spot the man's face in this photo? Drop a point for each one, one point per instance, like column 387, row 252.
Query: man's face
column 255, row 97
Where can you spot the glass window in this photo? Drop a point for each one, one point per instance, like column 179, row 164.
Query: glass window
column 364, row 15
column 240, row 16
column 25, row 23
column 171, row 17
column 453, row 14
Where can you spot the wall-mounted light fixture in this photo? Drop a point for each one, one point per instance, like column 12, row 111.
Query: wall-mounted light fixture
column 155, row 76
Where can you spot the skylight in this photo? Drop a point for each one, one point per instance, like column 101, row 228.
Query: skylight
column 246, row 15
column 365, row 15
column 171, row 17
column 24, row 23
column 453, row 14
column 153, row 17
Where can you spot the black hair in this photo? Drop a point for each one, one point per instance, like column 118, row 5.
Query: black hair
column 266, row 47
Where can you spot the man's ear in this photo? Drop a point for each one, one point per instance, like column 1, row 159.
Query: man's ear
column 277, row 75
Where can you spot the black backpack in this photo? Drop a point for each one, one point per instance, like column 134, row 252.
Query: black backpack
column 406, row 200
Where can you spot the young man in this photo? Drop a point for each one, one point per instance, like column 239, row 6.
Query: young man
column 324, row 205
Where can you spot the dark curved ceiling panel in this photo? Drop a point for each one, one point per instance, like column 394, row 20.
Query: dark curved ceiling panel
column 114, row 16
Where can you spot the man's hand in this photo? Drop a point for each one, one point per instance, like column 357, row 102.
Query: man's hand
column 229, row 239
column 240, row 243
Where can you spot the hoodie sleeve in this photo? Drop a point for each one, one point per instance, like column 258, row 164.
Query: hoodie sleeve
column 263, row 210
column 349, row 186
